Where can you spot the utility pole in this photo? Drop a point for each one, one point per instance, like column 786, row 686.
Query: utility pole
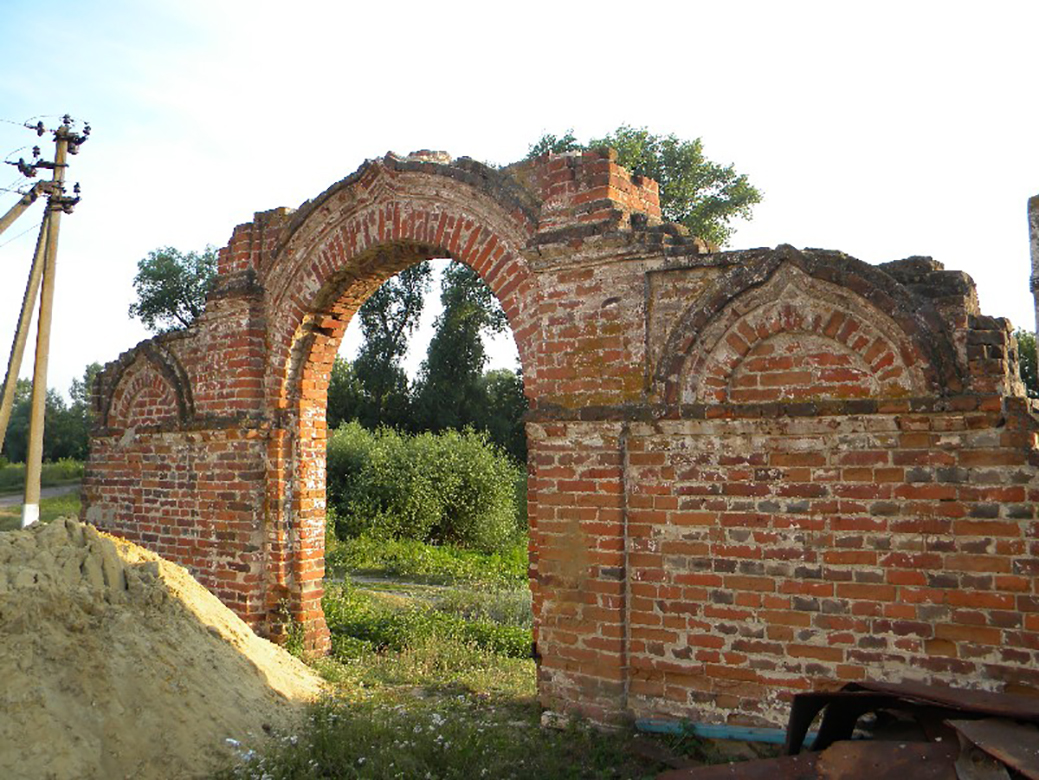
column 21, row 333
column 29, row 299
column 66, row 141
column 23, row 203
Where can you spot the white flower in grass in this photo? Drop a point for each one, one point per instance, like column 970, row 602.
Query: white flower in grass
column 361, row 760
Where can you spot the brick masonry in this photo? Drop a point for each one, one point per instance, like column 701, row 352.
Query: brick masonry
column 751, row 473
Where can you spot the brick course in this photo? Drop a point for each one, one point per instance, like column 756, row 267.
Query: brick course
column 751, row 473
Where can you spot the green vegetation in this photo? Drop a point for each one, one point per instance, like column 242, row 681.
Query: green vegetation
column 50, row 509
column 434, row 681
column 694, row 191
column 63, row 472
column 67, row 426
column 461, row 736
column 1027, row 357
column 426, row 563
column 452, row 389
column 453, row 487
column 362, row 623
column 171, row 287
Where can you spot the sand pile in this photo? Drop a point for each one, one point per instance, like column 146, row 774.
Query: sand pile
column 117, row 664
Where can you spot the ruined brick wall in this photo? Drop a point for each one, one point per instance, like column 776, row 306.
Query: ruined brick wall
column 751, row 473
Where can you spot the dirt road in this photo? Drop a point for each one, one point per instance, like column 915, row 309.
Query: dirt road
column 15, row 499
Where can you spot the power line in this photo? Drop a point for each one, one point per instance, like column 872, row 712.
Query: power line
column 25, row 122
column 27, row 230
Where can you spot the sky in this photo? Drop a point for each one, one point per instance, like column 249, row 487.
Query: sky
column 884, row 130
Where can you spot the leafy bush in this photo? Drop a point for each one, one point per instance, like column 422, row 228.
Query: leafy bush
column 377, row 484
column 476, row 486
column 452, row 487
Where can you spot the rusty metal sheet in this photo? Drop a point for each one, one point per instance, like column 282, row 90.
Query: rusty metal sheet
column 1015, row 744
column 843, row 761
column 874, row 760
column 929, row 705
column 1003, row 705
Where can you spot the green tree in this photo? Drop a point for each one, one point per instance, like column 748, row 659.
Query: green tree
column 1026, row 351
column 16, row 442
column 449, row 392
column 79, row 419
column 388, row 318
column 66, row 427
column 694, row 191
column 171, row 287
column 501, row 411
column 345, row 394
column 549, row 142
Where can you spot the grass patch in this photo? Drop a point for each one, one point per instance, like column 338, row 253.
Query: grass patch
column 63, row 472
column 50, row 509
column 423, row 562
column 439, row 710
column 362, row 623
column 433, row 667
column 433, row 681
column 458, row 738
column 445, row 709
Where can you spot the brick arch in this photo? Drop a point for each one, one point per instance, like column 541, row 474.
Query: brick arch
column 150, row 386
column 374, row 223
column 354, row 237
column 793, row 327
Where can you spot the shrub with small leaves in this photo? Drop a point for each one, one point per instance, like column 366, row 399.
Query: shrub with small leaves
column 453, row 487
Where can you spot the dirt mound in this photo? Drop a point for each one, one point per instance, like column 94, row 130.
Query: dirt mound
column 115, row 663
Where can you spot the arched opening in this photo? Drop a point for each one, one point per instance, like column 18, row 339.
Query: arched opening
column 297, row 499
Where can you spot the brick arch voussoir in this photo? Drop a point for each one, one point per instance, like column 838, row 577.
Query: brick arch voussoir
column 367, row 247
column 874, row 353
column 147, row 369
column 925, row 343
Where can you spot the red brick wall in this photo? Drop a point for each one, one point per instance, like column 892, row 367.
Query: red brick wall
column 751, row 473
column 882, row 546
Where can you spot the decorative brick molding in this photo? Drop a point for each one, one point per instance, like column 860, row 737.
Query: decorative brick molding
column 751, row 473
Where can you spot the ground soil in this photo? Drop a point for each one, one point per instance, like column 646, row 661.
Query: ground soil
column 117, row 664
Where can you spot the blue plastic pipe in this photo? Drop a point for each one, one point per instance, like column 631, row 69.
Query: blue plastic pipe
column 714, row 731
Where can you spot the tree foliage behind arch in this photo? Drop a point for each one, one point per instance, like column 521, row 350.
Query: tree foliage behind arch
column 696, row 192
column 172, row 286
